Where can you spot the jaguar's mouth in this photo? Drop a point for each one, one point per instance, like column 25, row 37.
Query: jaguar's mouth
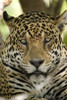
column 37, row 73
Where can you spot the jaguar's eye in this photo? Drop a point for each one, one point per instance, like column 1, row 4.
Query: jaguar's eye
column 24, row 42
column 47, row 40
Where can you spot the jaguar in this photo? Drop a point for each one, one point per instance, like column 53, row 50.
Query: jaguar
column 33, row 61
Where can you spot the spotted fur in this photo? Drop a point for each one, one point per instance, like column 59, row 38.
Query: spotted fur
column 34, row 58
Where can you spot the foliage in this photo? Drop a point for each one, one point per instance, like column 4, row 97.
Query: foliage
column 14, row 9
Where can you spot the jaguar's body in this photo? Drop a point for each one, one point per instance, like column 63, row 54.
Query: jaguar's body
column 33, row 61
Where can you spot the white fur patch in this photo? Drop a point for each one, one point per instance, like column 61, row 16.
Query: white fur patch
column 42, row 84
column 19, row 97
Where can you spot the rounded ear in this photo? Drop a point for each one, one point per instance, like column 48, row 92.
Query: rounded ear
column 8, row 19
column 61, row 20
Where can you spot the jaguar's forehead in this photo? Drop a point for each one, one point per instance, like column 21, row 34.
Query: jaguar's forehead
column 35, row 19
column 35, row 23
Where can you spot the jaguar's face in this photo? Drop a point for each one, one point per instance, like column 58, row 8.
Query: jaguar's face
column 40, row 52
column 35, row 43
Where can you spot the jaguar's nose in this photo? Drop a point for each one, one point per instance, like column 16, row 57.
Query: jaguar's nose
column 36, row 63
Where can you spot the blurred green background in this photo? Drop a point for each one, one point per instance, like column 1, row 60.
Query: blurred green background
column 15, row 9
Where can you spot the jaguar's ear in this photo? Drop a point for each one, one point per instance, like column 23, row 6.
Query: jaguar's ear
column 8, row 19
column 61, row 20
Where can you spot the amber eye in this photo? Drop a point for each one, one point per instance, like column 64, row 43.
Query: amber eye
column 47, row 40
column 24, row 42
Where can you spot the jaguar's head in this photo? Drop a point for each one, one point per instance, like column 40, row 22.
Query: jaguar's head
column 35, row 43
